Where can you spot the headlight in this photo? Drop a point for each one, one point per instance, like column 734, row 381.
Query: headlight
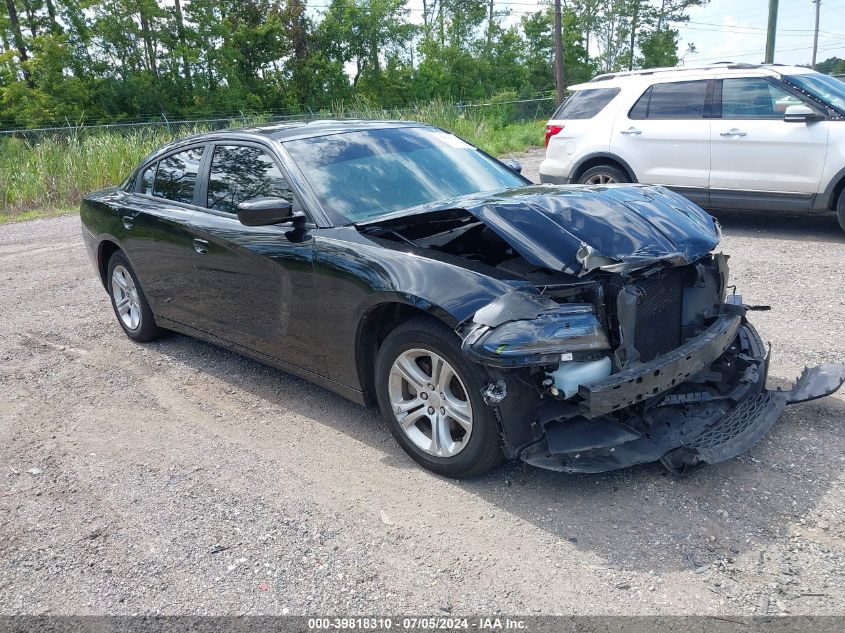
column 549, row 338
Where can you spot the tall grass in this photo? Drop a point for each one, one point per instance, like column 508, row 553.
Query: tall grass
column 55, row 172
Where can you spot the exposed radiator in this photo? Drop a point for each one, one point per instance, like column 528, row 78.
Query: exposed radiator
column 659, row 309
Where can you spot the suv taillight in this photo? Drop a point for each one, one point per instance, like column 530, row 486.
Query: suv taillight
column 551, row 130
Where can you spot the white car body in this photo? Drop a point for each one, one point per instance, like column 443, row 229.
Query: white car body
column 737, row 152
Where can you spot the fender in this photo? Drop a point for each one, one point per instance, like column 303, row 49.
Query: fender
column 825, row 200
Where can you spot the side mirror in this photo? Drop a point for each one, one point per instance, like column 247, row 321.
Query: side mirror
column 513, row 165
column 264, row 210
column 801, row 114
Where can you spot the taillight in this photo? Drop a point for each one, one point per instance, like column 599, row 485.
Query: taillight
column 551, row 130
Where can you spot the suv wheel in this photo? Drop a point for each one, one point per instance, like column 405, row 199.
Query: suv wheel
column 840, row 210
column 603, row 175
column 430, row 395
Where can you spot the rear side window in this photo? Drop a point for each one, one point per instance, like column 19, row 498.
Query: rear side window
column 177, row 176
column 241, row 173
column 147, row 179
column 754, row 98
column 677, row 100
column 585, row 104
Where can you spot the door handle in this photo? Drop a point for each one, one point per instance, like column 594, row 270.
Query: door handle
column 201, row 246
column 631, row 130
column 734, row 132
column 128, row 221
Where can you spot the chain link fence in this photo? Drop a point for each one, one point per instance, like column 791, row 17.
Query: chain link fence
column 501, row 110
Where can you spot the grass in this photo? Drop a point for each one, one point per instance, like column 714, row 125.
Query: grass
column 49, row 176
column 35, row 214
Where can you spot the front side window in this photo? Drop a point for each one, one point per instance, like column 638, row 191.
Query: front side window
column 240, row 173
column 176, row 176
column 754, row 98
column 825, row 88
column 675, row 100
column 363, row 175
column 585, row 104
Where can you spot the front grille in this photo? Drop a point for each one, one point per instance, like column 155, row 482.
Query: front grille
column 659, row 305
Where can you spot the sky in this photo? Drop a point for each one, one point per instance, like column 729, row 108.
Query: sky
column 735, row 30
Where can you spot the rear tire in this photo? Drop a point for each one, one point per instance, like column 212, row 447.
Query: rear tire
column 423, row 378
column 129, row 302
column 603, row 175
column 840, row 209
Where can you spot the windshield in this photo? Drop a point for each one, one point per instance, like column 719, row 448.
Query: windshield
column 359, row 176
column 824, row 87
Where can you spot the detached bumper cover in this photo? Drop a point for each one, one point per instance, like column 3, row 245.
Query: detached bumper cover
column 719, row 409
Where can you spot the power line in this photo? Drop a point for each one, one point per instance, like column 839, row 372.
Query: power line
column 757, row 52
column 757, row 28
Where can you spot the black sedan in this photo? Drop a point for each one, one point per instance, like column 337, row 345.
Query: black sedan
column 577, row 328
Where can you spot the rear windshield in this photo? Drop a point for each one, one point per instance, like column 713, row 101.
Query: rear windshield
column 585, row 104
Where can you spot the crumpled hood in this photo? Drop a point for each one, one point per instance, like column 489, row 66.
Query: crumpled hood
column 579, row 228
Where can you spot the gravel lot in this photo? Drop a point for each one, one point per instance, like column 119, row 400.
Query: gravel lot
column 176, row 477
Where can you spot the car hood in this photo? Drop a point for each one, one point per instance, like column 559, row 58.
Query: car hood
column 578, row 229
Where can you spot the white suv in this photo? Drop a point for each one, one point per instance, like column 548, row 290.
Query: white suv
column 728, row 135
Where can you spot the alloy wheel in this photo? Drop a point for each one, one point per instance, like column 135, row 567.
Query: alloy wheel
column 600, row 179
column 430, row 402
column 125, row 296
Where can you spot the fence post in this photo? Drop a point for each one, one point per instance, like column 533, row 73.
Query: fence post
column 164, row 116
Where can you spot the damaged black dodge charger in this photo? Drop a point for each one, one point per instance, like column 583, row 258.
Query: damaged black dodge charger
column 577, row 328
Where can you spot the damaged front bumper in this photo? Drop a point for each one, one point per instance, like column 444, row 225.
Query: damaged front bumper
column 711, row 419
column 705, row 401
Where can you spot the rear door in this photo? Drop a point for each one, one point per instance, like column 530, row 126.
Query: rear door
column 156, row 236
column 754, row 150
column 255, row 282
column 665, row 136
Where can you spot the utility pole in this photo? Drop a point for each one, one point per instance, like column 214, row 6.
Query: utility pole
column 818, row 4
column 770, row 34
column 559, row 79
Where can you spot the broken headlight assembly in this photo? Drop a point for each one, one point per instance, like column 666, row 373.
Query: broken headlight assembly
column 551, row 337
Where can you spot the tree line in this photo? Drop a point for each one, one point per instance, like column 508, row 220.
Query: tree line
column 109, row 60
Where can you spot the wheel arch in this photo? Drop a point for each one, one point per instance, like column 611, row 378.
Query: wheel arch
column 373, row 327
column 835, row 190
column 105, row 250
column 601, row 158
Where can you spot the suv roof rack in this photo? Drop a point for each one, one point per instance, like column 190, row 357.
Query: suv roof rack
column 668, row 69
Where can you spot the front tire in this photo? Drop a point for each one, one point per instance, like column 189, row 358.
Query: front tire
column 129, row 302
column 603, row 175
column 430, row 396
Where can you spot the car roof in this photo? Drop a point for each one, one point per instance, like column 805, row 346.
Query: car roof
column 653, row 75
column 288, row 130
column 284, row 131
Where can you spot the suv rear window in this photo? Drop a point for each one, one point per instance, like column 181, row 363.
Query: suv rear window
column 676, row 100
column 585, row 104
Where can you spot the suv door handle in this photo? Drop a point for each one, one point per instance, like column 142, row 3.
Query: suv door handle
column 734, row 132
column 631, row 130
column 201, row 246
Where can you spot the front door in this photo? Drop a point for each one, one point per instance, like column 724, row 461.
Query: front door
column 255, row 282
column 754, row 150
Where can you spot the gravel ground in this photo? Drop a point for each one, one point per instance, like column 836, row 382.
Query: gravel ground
column 179, row 478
